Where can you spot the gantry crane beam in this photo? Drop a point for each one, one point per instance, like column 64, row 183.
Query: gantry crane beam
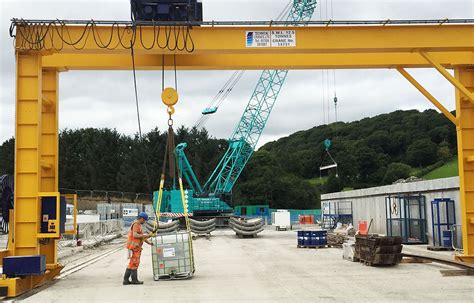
column 225, row 48
column 256, row 61
column 310, row 39
column 37, row 91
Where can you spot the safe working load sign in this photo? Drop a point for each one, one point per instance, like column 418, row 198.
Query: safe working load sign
column 275, row 38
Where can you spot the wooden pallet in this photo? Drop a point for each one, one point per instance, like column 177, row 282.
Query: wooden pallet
column 380, row 259
column 312, row 246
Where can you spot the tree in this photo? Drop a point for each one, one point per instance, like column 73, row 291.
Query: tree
column 422, row 152
column 7, row 157
column 333, row 184
column 368, row 152
column 396, row 171
column 444, row 153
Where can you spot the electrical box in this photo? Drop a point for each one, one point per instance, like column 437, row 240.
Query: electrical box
column 18, row 266
column 49, row 215
column 166, row 10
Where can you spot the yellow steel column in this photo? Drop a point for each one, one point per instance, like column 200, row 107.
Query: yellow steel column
column 49, row 149
column 27, row 154
column 465, row 135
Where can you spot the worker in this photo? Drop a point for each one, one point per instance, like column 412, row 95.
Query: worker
column 135, row 240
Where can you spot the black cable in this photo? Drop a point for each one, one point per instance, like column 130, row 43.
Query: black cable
column 43, row 34
column 139, row 121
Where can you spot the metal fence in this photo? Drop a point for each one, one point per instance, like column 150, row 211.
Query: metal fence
column 107, row 194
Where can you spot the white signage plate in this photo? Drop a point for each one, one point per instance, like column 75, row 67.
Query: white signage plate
column 284, row 38
column 274, row 38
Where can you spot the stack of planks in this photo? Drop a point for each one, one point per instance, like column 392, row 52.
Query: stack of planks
column 336, row 239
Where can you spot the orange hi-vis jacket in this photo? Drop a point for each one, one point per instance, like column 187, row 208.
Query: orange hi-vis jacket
column 132, row 242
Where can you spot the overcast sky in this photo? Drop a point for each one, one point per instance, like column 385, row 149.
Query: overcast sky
column 105, row 99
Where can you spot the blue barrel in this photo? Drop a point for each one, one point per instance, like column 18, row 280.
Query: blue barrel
column 307, row 238
column 321, row 237
column 314, row 238
column 447, row 238
column 300, row 238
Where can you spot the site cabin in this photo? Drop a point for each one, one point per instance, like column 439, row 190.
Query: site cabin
column 281, row 219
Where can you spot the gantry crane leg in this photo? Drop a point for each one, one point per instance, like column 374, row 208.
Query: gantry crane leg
column 465, row 135
column 36, row 166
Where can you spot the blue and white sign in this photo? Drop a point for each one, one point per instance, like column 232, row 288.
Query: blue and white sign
column 258, row 39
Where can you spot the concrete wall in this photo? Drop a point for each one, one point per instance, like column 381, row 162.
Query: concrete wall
column 94, row 229
column 369, row 203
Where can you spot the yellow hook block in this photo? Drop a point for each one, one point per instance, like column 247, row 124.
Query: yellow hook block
column 169, row 96
column 170, row 110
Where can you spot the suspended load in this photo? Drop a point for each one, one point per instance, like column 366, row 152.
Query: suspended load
column 172, row 257
column 333, row 164
column 209, row 110
column 219, row 98
column 172, row 253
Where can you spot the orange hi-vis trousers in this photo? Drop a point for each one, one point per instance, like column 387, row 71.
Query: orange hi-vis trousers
column 134, row 258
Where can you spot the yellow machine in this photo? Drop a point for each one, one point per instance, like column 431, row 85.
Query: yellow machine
column 45, row 49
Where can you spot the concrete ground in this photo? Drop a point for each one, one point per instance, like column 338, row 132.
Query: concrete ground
column 269, row 268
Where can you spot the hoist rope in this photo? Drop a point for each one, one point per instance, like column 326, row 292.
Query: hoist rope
column 230, row 84
column 221, row 96
column 140, row 136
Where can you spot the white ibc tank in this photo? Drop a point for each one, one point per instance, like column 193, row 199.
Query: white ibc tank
column 172, row 256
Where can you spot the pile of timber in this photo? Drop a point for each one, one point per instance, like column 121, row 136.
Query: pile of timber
column 378, row 250
column 163, row 228
column 201, row 228
column 336, row 239
column 246, row 227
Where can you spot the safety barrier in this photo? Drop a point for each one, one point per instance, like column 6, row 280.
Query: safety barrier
column 101, row 228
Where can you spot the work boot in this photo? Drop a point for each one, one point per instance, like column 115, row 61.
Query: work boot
column 126, row 276
column 135, row 278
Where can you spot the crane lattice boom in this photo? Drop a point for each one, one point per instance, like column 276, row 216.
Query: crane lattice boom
column 248, row 131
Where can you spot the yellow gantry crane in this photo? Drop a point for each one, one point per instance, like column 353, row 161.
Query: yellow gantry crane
column 45, row 49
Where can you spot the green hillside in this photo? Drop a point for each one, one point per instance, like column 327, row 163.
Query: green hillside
column 370, row 152
column 449, row 169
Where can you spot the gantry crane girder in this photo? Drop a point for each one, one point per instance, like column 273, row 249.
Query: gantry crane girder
column 317, row 47
column 218, row 48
